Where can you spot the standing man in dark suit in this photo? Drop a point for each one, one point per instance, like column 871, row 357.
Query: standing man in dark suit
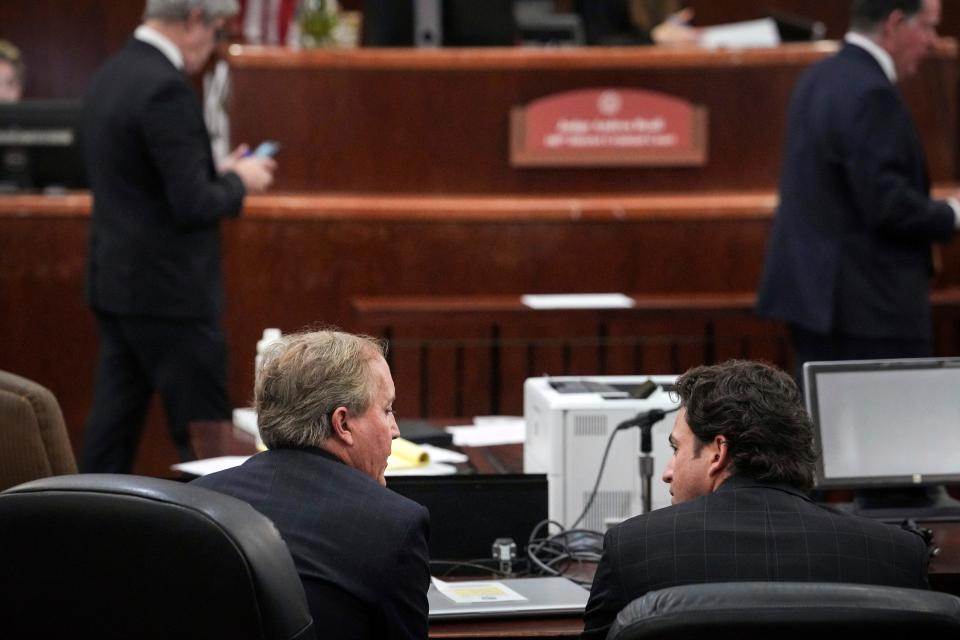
column 324, row 405
column 849, row 258
column 743, row 459
column 154, row 275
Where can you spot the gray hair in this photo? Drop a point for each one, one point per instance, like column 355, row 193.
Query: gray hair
column 179, row 10
column 9, row 53
column 304, row 377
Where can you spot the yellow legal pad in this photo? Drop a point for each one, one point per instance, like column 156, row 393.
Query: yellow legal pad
column 407, row 455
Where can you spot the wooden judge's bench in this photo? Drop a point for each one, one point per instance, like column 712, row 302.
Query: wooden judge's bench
column 397, row 212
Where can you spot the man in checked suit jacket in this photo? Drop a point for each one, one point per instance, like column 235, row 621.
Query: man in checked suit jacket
column 743, row 461
column 849, row 258
column 325, row 409
column 154, row 279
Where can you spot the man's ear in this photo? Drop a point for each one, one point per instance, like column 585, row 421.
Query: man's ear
column 893, row 22
column 340, row 426
column 720, row 459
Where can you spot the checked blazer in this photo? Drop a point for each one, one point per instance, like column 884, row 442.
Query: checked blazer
column 746, row 530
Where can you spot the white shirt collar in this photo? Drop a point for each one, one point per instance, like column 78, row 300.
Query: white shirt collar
column 879, row 53
column 153, row 37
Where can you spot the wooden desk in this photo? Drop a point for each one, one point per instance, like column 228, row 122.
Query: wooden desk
column 945, row 567
column 510, row 628
column 437, row 121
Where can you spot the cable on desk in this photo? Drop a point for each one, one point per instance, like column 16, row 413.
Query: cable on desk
column 475, row 564
column 553, row 554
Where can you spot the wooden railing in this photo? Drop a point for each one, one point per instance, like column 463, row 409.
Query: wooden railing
column 469, row 355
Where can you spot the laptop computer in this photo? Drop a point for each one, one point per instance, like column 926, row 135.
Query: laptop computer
column 541, row 596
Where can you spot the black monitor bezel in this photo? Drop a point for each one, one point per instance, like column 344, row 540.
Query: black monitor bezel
column 67, row 172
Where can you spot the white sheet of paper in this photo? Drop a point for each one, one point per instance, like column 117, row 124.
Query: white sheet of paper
column 439, row 454
column 741, row 35
column 430, row 469
column 476, row 591
column 209, row 465
column 482, row 436
column 245, row 418
column 578, row 301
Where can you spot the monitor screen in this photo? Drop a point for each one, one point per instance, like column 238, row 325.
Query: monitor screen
column 463, row 23
column 885, row 423
column 469, row 512
column 40, row 146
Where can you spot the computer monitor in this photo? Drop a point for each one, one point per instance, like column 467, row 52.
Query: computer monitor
column 448, row 23
column 469, row 512
column 40, row 146
column 889, row 429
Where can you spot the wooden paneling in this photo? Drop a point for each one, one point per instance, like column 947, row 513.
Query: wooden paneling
column 437, row 121
column 296, row 261
column 63, row 43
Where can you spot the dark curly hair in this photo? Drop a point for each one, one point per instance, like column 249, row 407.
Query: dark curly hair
column 759, row 410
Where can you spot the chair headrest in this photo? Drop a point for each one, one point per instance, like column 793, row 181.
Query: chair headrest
column 145, row 557
column 748, row 609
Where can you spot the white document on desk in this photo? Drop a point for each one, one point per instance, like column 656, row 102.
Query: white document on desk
column 209, row 465
column 429, row 469
column 578, row 301
column 741, row 35
column 476, row 591
column 439, row 454
column 488, row 431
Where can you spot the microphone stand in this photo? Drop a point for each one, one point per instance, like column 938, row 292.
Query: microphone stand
column 645, row 420
column 646, row 465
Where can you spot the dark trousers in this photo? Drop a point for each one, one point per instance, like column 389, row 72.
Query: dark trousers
column 183, row 359
column 809, row 346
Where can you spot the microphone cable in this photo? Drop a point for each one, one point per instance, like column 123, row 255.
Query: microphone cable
column 643, row 418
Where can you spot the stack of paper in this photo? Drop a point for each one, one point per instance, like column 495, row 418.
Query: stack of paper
column 490, row 430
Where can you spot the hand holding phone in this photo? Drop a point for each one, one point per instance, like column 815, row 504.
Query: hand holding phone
column 267, row 149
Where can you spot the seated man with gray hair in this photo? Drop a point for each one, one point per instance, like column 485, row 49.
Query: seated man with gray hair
column 324, row 405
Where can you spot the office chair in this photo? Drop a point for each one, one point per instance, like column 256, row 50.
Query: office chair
column 33, row 437
column 119, row 556
column 787, row 609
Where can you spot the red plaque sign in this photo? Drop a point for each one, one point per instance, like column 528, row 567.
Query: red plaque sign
column 608, row 127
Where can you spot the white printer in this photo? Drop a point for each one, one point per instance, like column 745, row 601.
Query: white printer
column 569, row 421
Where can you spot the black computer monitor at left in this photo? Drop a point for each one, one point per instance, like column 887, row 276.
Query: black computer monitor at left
column 890, row 430
column 40, row 148
column 447, row 23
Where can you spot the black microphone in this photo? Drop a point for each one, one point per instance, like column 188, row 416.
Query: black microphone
column 643, row 419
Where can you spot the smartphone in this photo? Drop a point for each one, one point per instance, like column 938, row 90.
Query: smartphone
column 267, row 149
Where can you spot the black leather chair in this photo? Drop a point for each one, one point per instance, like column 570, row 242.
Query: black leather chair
column 119, row 556
column 777, row 610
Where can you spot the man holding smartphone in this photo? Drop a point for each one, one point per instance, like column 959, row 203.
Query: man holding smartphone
column 154, row 280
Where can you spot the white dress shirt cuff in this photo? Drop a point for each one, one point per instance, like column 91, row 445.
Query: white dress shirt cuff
column 955, row 205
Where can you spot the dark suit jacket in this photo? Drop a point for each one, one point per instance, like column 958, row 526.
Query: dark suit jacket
column 747, row 531
column 849, row 250
column 360, row 549
column 157, row 199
